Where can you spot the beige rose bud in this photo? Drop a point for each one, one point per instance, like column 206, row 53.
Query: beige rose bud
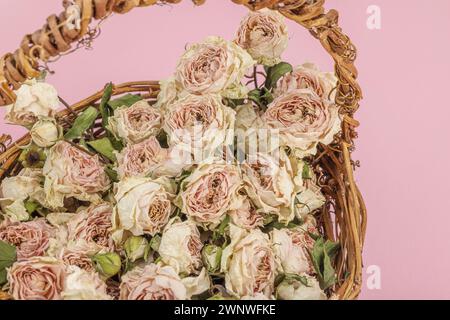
column 34, row 100
column 45, row 132
column 135, row 247
column 263, row 34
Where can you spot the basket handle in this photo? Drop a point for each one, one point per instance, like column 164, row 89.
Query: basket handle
column 56, row 37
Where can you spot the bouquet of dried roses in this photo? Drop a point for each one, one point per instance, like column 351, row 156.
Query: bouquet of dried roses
column 208, row 193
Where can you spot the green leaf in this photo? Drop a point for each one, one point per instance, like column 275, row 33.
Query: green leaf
column 124, row 101
column 255, row 96
column 275, row 73
column 112, row 174
column 103, row 107
column 84, row 121
column 155, row 242
column 104, row 147
column 3, row 275
column 7, row 255
column 147, row 250
column 30, row 206
column 322, row 255
column 306, row 172
column 233, row 103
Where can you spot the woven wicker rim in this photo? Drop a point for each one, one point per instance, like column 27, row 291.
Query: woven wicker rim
column 343, row 218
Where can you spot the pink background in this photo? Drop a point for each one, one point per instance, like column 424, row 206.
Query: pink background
column 404, row 133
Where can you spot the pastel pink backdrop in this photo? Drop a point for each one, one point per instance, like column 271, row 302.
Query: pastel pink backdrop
column 404, row 134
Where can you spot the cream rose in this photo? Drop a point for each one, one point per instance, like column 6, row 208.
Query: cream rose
column 246, row 216
column 30, row 238
column 71, row 172
column 83, row 285
column 92, row 225
column 303, row 120
column 46, row 132
column 291, row 250
column 135, row 123
column 147, row 158
column 210, row 192
column 272, row 182
column 248, row 263
column 15, row 190
column 264, row 35
column 143, row 206
column 152, row 282
column 214, row 66
column 181, row 246
column 34, row 100
column 141, row 159
column 308, row 76
column 293, row 289
column 199, row 124
column 38, row 278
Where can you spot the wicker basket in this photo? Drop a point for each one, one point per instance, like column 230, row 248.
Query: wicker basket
column 343, row 218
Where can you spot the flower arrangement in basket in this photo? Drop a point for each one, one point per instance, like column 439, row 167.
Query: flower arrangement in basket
column 232, row 179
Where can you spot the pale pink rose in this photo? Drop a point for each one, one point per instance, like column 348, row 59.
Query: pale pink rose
column 214, row 66
column 92, row 225
column 248, row 262
column 247, row 216
column 303, row 120
column 199, row 124
column 291, row 248
column 38, row 278
column 30, row 238
column 141, row 159
column 308, row 76
column 271, row 182
column 264, row 35
column 211, row 191
column 71, row 172
column 152, row 282
column 79, row 253
column 135, row 123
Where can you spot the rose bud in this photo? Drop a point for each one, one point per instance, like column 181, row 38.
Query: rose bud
column 108, row 264
column 45, row 132
column 294, row 289
column 211, row 256
column 135, row 247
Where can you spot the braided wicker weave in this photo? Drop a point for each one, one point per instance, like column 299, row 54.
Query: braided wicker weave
column 343, row 218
